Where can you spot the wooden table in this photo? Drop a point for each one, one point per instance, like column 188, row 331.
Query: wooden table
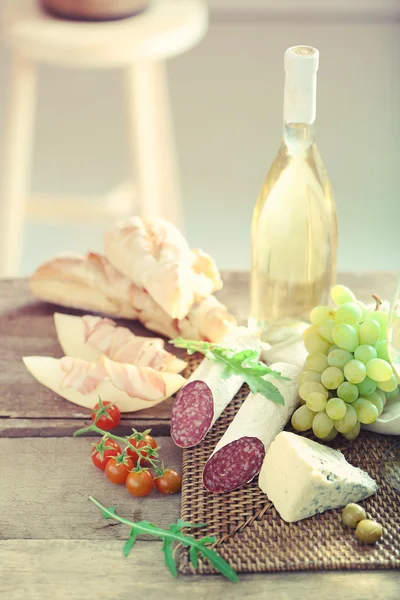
column 53, row 542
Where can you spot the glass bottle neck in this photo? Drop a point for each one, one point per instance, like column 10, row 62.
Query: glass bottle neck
column 298, row 136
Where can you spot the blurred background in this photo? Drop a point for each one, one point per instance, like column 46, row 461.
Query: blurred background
column 226, row 97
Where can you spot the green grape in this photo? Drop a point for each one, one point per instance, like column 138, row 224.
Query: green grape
column 316, row 362
column 353, row 433
column 325, row 330
column 345, row 336
column 336, row 408
column 307, row 376
column 386, row 386
column 347, row 392
column 341, row 294
column 332, row 377
column 322, row 425
column 382, row 395
column 315, row 343
column 383, row 335
column 366, row 411
column 377, row 401
column 349, row 312
column 346, row 423
column 381, row 350
column 311, row 386
column 330, row 437
column 332, row 348
column 364, row 309
column 316, row 401
column 380, row 316
column 376, row 398
column 369, row 332
column 319, row 314
column 355, row 371
column 312, row 330
column 365, row 352
column 367, row 386
column 379, row 370
column 391, row 395
column 302, row 419
column 338, row 358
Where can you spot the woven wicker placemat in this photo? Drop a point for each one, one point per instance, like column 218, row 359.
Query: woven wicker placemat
column 253, row 538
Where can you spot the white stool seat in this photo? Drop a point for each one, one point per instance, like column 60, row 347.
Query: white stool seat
column 166, row 28
column 138, row 46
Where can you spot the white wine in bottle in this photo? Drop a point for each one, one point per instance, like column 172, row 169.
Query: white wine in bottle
column 294, row 227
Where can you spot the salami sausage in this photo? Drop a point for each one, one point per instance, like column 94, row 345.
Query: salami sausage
column 239, row 454
column 203, row 399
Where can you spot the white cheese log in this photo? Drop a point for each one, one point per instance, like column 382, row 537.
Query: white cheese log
column 206, row 394
column 239, row 454
column 303, row 478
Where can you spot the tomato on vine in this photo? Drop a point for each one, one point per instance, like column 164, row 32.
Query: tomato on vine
column 140, row 483
column 106, row 415
column 118, row 468
column 103, row 450
column 142, row 441
column 169, row 482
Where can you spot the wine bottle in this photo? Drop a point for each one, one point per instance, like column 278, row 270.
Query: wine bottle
column 294, row 227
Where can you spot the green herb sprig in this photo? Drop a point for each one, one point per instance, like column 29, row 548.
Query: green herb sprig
column 173, row 534
column 238, row 362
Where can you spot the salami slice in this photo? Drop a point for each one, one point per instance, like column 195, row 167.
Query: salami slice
column 239, row 454
column 192, row 414
column 203, row 399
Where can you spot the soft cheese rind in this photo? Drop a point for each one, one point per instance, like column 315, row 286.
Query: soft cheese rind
column 303, row 478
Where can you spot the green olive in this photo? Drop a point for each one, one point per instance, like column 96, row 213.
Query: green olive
column 369, row 531
column 352, row 514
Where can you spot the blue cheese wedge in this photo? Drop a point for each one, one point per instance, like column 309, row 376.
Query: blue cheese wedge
column 303, row 478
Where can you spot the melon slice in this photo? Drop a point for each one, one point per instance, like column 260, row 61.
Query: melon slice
column 71, row 333
column 47, row 371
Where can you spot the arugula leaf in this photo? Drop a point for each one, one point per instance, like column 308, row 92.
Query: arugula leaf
column 169, row 536
column 194, row 558
column 169, row 558
column 238, row 362
column 219, row 563
column 129, row 543
column 108, row 513
column 266, row 388
column 181, row 524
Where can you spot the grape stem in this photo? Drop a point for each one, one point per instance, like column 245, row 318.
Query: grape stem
column 377, row 300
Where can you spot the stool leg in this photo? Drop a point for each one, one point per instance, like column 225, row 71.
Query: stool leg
column 151, row 141
column 14, row 178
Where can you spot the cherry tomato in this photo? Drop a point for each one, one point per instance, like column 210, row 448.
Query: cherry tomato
column 110, row 448
column 169, row 482
column 106, row 423
column 148, row 440
column 140, row 483
column 117, row 471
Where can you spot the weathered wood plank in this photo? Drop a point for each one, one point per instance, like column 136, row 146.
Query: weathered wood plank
column 55, row 427
column 45, row 484
column 76, row 569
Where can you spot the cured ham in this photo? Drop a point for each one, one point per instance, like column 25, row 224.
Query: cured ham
column 82, row 382
column 89, row 337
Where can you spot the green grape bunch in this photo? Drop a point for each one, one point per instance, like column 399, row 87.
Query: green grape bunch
column 347, row 376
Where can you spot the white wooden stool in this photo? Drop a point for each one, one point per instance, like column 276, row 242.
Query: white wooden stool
column 138, row 45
